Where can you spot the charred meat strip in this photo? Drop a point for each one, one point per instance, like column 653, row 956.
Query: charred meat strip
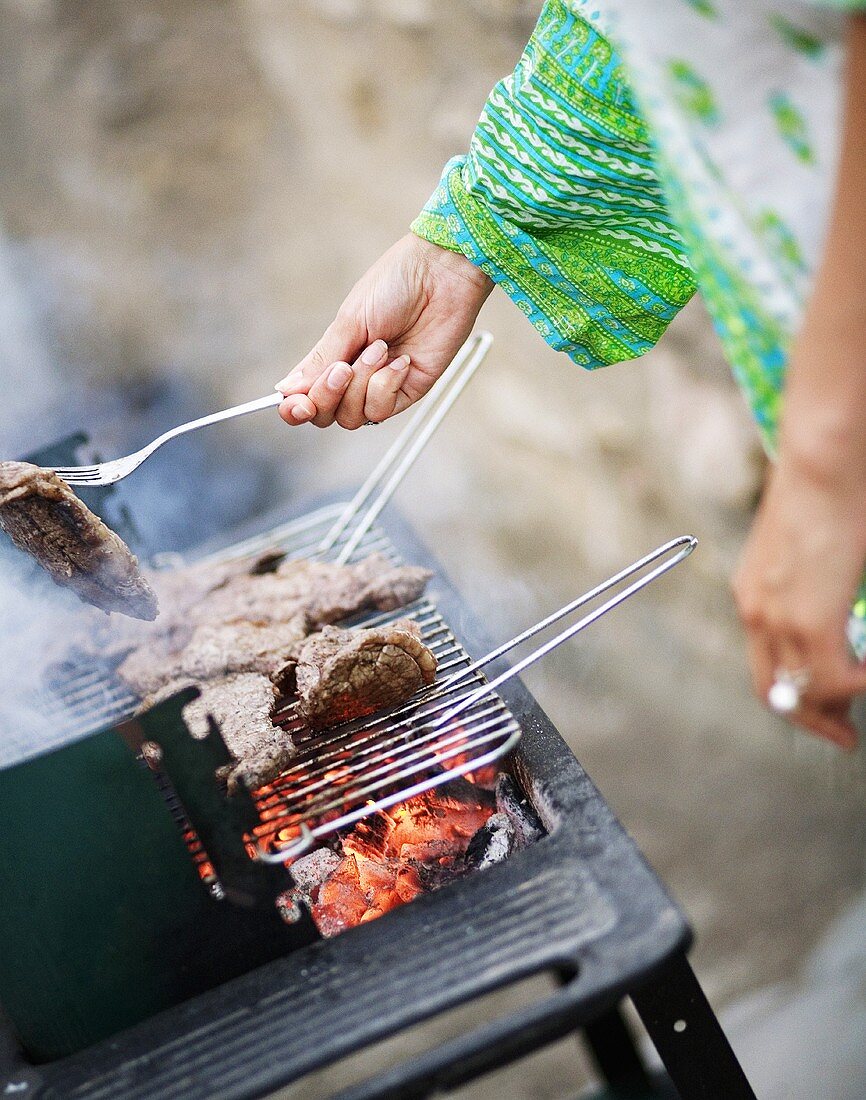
column 344, row 674
column 213, row 651
column 43, row 517
column 248, row 621
column 226, row 630
column 241, row 706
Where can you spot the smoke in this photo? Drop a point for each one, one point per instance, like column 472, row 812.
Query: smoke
column 34, row 613
column 199, row 487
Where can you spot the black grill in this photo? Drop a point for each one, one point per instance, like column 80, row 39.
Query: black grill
column 580, row 903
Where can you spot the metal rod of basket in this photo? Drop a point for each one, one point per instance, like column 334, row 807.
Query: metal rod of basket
column 664, row 554
column 401, row 455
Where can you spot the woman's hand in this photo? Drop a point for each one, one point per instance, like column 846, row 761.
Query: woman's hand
column 393, row 336
column 794, row 588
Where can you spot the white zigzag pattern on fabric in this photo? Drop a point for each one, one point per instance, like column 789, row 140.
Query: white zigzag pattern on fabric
column 564, row 166
column 528, row 188
column 499, row 199
column 566, row 128
column 552, row 191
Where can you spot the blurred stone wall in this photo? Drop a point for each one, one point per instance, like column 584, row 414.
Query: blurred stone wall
column 196, row 181
column 188, row 188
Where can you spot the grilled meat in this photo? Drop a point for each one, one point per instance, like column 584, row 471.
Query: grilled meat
column 326, row 593
column 344, row 674
column 245, row 621
column 223, row 631
column 43, row 517
column 179, row 591
column 241, row 706
column 214, row 650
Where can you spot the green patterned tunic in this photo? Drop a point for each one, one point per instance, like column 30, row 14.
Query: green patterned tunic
column 643, row 149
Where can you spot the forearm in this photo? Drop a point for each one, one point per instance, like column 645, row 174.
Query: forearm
column 558, row 200
column 824, row 422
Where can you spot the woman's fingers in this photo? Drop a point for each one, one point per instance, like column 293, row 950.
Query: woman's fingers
column 350, row 412
column 763, row 662
column 327, row 391
column 297, row 409
column 830, row 681
column 833, row 676
column 340, row 343
column 830, row 722
column 383, row 390
column 334, row 395
column 368, row 390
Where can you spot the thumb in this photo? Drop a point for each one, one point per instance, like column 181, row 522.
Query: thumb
column 341, row 342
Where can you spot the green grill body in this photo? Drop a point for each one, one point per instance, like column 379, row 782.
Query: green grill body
column 104, row 920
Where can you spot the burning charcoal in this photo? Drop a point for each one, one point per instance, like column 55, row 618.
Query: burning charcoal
column 493, row 843
column 371, row 836
column 436, row 815
column 340, row 903
column 379, row 883
column 312, row 869
column 308, row 872
column 344, row 909
column 430, row 851
column 516, row 806
column 461, row 789
column 408, row 884
column 484, row 777
column 376, row 876
column 290, row 905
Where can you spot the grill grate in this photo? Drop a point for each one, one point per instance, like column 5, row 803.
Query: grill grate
column 88, row 699
column 582, row 906
column 342, row 775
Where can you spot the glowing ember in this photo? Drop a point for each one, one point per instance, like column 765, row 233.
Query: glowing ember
column 390, row 858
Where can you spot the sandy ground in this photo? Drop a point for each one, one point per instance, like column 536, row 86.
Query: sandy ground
column 186, row 192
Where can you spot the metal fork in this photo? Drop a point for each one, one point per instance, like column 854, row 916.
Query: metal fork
column 106, row 473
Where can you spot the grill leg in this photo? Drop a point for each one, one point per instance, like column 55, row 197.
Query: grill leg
column 616, row 1056
column 688, row 1037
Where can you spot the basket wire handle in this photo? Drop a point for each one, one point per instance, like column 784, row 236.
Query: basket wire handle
column 405, row 449
column 666, row 559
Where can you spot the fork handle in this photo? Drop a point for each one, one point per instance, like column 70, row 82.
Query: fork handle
column 268, row 402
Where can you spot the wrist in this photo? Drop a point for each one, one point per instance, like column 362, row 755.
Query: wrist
column 827, row 452
column 452, row 264
column 822, row 432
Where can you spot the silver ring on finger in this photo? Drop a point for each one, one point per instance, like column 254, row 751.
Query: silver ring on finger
column 371, row 423
column 787, row 690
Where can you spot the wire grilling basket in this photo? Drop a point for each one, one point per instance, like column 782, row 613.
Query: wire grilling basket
column 458, row 725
